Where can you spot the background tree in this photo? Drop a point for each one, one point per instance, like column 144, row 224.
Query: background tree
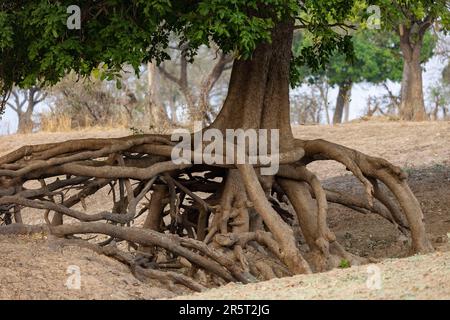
column 155, row 111
column 24, row 102
column 376, row 56
column 411, row 20
column 211, row 212
column 196, row 83
column 79, row 103
column 309, row 105
column 440, row 95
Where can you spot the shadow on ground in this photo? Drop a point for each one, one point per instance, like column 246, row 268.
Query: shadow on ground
column 371, row 235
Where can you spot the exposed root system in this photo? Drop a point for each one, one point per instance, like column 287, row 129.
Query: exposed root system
column 199, row 225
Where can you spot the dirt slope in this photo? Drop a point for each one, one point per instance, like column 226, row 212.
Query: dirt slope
column 417, row 277
column 33, row 268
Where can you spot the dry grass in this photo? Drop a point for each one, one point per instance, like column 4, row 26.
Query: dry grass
column 64, row 123
column 50, row 123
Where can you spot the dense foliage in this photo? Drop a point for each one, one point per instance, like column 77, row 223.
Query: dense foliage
column 36, row 45
column 376, row 57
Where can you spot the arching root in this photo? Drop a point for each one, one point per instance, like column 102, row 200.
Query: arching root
column 364, row 168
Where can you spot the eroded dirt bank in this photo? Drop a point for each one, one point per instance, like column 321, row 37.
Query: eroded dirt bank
column 30, row 267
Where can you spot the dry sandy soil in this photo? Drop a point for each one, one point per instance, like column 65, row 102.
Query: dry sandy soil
column 35, row 268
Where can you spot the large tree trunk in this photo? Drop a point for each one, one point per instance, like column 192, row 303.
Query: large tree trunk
column 342, row 101
column 258, row 95
column 258, row 98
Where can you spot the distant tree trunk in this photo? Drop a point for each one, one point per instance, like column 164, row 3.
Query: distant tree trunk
column 394, row 105
column 327, row 113
column 182, row 82
column 371, row 111
column 194, row 112
column 342, row 100
column 173, row 110
column 435, row 111
column 208, row 83
column 25, row 122
column 412, row 106
column 347, row 108
column 156, row 112
column 318, row 114
column 198, row 103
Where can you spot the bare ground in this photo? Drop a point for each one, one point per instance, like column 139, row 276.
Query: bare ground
column 33, row 268
column 417, row 277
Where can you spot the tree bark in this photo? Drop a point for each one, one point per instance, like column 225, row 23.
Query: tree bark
column 156, row 206
column 412, row 106
column 258, row 95
column 342, row 101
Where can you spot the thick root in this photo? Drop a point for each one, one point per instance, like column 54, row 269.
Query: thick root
column 282, row 233
column 364, row 168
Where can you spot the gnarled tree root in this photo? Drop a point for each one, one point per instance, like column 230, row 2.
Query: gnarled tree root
column 368, row 169
column 229, row 221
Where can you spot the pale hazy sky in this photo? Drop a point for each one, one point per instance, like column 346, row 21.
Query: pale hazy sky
column 360, row 92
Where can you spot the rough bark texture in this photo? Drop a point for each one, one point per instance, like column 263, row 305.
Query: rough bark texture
column 412, row 105
column 258, row 95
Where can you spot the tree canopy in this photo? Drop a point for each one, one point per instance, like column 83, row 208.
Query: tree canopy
column 418, row 14
column 37, row 46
